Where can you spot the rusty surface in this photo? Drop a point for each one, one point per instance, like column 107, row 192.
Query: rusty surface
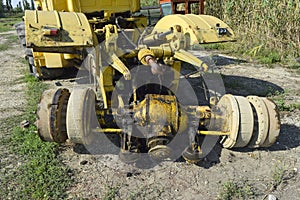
column 51, row 115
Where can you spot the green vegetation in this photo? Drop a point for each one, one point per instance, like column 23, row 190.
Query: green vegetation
column 11, row 39
column 111, row 193
column 6, row 24
column 277, row 175
column 6, row 8
column 149, row 2
column 4, row 47
column 236, row 190
column 279, row 99
column 214, row 46
column 42, row 175
column 272, row 25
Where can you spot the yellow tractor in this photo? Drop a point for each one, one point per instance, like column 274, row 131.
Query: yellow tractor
column 137, row 83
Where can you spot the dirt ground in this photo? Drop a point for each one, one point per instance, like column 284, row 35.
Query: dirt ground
column 265, row 171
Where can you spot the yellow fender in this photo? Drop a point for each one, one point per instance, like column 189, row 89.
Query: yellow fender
column 52, row 30
column 199, row 28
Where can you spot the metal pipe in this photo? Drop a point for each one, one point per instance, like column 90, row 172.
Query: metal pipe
column 156, row 69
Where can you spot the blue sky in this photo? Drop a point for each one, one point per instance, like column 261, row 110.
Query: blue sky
column 14, row 2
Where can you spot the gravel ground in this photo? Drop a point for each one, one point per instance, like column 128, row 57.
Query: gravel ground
column 99, row 176
column 12, row 103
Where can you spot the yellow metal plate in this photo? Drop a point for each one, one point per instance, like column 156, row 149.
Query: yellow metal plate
column 74, row 29
column 201, row 28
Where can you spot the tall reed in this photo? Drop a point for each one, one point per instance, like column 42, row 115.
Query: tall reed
column 271, row 25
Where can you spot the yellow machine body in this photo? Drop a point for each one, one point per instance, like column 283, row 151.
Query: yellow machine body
column 90, row 6
column 59, row 28
column 199, row 28
column 133, row 75
column 73, row 30
column 67, row 27
column 55, row 60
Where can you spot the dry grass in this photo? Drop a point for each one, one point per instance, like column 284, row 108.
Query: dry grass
column 266, row 25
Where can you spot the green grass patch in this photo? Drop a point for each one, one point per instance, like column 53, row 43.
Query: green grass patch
column 277, row 175
column 13, row 38
column 9, row 40
column 293, row 64
column 236, row 190
column 7, row 24
column 279, row 99
column 42, row 175
column 34, row 90
column 111, row 193
column 269, row 58
column 4, row 47
column 214, row 46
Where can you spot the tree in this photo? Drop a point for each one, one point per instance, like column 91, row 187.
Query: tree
column 1, row 8
column 32, row 4
column 8, row 5
column 19, row 7
column 26, row 5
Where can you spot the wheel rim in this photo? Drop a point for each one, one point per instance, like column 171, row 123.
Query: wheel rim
column 81, row 115
column 261, row 124
column 246, row 122
column 229, row 107
column 274, row 122
column 51, row 115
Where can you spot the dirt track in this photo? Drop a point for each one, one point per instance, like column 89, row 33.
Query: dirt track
column 98, row 176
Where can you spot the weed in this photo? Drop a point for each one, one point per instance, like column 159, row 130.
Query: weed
column 23, row 61
column 270, row 58
column 34, row 91
column 272, row 23
column 279, row 99
column 214, row 46
column 293, row 64
column 8, row 41
column 13, row 38
column 4, row 47
column 236, row 190
column 111, row 193
column 147, row 192
column 42, row 175
column 6, row 24
column 277, row 175
column 256, row 50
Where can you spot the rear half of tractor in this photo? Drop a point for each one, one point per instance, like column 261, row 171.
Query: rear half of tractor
column 141, row 83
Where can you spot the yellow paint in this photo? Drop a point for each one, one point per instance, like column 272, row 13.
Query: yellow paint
column 89, row 6
column 74, row 29
column 199, row 28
